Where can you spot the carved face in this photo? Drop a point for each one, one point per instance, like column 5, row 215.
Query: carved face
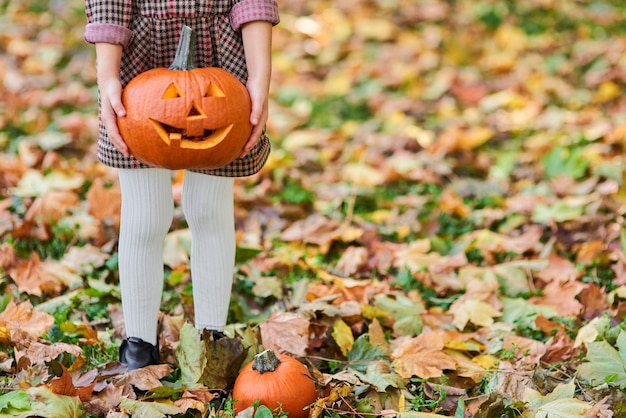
column 195, row 118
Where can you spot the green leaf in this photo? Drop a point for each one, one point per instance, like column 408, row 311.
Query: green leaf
column 15, row 399
column 246, row 253
column 407, row 313
column 190, row 354
column 138, row 409
column 460, row 408
column 263, row 412
column 47, row 404
column 562, row 161
column 523, row 313
column 604, row 363
column 379, row 375
column 363, row 352
column 224, row 358
column 563, row 408
column 556, row 212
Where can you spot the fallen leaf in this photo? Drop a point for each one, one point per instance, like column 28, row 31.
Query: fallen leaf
column 65, row 385
column 286, row 332
column 422, row 356
column 22, row 317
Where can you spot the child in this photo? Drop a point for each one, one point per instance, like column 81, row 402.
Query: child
column 134, row 36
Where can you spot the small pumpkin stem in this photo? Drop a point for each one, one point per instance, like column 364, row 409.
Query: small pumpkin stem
column 184, row 58
column 265, row 362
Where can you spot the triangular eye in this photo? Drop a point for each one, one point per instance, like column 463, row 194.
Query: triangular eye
column 172, row 92
column 214, row 91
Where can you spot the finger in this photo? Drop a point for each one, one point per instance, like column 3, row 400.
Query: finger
column 252, row 141
column 110, row 122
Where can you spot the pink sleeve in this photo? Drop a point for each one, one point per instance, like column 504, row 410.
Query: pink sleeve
column 109, row 33
column 251, row 10
column 107, row 21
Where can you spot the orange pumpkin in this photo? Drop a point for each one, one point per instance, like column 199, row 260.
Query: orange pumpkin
column 185, row 117
column 276, row 381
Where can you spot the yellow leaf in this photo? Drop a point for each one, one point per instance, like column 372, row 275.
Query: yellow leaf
column 369, row 311
column 475, row 137
column 475, row 311
column 5, row 335
column 588, row 333
column 486, row 361
column 607, row 91
column 342, row 334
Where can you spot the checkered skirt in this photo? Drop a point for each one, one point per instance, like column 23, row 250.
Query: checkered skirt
column 156, row 34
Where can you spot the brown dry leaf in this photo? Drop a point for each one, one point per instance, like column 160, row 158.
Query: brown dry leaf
column 189, row 403
column 559, row 348
column 562, row 296
column 107, row 399
column 589, row 251
column 31, row 277
column 512, row 380
column 49, row 208
column 377, row 335
column 353, row 260
column 320, row 231
column 526, row 350
column 286, row 332
column 451, row 203
column 559, row 269
column 422, row 356
column 40, row 352
column 64, row 385
column 594, row 301
column 104, row 202
column 545, row 325
column 146, row 378
column 22, row 317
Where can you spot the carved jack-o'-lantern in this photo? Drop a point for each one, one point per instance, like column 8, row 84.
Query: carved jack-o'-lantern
column 185, row 117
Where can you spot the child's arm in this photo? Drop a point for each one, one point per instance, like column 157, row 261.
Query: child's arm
column 108, row 58
column 257, row 42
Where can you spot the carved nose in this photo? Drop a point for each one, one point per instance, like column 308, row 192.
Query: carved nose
column 195, row 112
column 195, row 121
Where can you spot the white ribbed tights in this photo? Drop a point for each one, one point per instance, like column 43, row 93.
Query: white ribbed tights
column 146, row 217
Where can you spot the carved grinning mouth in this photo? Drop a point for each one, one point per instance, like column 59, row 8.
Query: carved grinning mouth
column 172, row 135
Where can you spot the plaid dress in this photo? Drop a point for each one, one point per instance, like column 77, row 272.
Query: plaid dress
column 149, row 31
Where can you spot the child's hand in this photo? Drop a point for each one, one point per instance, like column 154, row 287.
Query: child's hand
column 111, row 108
column 258, row 115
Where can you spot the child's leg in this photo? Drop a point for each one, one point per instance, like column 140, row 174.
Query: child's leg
column 207, row 202
column 146, row 216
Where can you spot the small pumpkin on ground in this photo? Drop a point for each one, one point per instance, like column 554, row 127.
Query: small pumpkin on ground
column 276, row 381
column 186, row 117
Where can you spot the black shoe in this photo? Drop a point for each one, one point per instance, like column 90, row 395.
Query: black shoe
column 135, row 353
column 211, row 334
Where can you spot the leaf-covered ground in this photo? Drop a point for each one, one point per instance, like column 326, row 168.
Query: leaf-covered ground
column 439, row 231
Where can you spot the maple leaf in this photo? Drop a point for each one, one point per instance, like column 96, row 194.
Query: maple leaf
column 40, row 352
column 146, row 378
column 560, row 402
column 21, row 317
column 475, row 311
column 286, row 332
column 104, row 202
column 65, row 385
column 148, row 409
column 32, row 277
column 422, row 356
column 605, row 364
column 46, row 404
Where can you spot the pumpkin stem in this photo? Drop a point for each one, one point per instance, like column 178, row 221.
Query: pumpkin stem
column 184, row 58
column 265, row 362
